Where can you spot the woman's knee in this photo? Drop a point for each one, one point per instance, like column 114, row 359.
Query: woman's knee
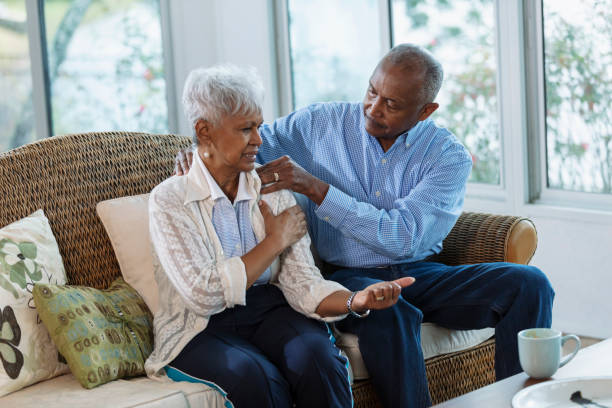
column 250, row 383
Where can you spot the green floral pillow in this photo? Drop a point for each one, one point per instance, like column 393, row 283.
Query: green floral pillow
column 102, row 334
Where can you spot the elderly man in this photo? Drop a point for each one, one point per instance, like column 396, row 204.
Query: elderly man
column 382, row 186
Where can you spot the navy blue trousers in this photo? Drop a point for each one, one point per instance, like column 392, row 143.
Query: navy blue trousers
column 506, row 296
column 266, row 354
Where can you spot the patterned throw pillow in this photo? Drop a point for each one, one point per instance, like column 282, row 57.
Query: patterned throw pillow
column 28, row 255
column 102, row 334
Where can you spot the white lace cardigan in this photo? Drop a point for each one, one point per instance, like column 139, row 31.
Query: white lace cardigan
column 196, row 280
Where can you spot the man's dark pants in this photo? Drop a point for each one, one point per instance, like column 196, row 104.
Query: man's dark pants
column 509, row 297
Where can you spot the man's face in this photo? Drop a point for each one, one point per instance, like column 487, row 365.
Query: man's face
column 392, row 103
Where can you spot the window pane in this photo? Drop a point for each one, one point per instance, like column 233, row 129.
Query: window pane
column 16, row 111
column 334, row 48
column 578, row 70
column 106, row 66
column 461, row 34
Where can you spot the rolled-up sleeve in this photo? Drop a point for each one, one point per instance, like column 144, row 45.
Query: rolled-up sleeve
column 206, row 285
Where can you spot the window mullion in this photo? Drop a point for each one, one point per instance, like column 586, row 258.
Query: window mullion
column 283, row 57
column 386, row 25
column 167, row 55
column 40, row 78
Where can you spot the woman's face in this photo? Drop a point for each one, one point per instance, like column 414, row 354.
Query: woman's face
column 232, row 144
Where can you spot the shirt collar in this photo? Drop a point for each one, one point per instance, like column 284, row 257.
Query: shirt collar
column 201, row 185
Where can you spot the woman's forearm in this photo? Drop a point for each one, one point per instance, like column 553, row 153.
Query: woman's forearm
column 334, row 304
column 258, row 259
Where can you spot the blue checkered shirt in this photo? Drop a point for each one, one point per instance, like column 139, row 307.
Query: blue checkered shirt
column 382, row 207
column 232, row 222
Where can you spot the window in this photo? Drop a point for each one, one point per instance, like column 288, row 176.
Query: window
column 16, row 110
column 334, row 46
column 461, row 34
column 578, row 92
column 102, row 68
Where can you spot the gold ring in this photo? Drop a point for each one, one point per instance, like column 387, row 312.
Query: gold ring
column 379, row 298
column 276, row 177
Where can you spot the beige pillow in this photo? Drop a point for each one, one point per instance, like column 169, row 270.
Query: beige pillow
column 28, row 255
column 126, row 220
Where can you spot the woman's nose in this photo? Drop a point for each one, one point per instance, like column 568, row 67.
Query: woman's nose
column 256, row 138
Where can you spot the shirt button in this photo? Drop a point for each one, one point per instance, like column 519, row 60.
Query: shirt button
column 377, row 193
column 383, row 161
column 326, row 218
column 237, row 246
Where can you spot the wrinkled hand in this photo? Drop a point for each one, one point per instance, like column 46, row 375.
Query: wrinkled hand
column 285, row 228
column 284, row 173
column 380, row 295
column 182, row 162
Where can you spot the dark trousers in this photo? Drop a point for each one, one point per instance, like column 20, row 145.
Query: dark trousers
column 506, row 296
column 266, row 354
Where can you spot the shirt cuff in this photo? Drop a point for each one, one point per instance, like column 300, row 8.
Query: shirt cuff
column 233, row 279
column 334, row 207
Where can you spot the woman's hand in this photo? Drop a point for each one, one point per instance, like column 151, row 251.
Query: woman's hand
column 380, row 295
column 285, row 228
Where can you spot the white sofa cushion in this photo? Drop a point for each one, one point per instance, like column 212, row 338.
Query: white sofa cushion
column 65, row 391
column 126, row 220
column 435, row 341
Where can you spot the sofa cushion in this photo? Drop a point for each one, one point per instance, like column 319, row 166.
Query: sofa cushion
column 65, row 391
column 435, row 341
column 126, row 220
column 28, row 255
column 103, row 334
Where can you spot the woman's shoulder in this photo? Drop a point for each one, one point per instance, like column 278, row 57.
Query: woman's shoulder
column 169, row 191
column 279, row 200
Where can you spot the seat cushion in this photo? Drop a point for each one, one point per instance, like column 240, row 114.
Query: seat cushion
column 65, row 391
column 435, row 341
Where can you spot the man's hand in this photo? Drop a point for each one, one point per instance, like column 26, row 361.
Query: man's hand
column 182, row 162
column 284, row 173
column 380, row 295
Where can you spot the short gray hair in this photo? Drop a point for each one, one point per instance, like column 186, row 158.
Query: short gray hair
column 222, row 90
column 413, row 57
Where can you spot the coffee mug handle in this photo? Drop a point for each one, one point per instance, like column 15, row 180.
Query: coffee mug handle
column 573, row 353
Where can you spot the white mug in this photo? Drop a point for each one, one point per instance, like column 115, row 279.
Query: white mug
column 540, row 351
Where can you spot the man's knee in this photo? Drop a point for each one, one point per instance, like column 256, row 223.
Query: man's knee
column 530, row 283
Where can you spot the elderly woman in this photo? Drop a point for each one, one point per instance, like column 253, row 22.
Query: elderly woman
column 241, row 303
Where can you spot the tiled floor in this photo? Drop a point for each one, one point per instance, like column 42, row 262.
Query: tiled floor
column 568, row 347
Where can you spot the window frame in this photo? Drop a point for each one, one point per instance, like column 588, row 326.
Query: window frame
column 39, row 68
column 540, row 192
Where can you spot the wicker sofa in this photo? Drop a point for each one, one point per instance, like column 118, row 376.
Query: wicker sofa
column 67, row 175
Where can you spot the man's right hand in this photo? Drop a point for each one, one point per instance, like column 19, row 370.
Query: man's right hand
column 182, row 162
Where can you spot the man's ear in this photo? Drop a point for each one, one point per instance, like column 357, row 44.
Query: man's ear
column 427, row 110
column 202, row 129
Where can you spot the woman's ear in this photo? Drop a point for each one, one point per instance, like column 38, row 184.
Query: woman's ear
column 202, row 129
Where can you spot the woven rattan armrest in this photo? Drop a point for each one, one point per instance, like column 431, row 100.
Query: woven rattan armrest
column 479, row 237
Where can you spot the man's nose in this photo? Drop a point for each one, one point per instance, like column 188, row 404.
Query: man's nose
column 376, row 108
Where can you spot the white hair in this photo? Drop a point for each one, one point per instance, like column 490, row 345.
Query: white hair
column 222, row 90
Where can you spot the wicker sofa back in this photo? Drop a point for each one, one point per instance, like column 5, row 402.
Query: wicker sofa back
column 68, row 175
